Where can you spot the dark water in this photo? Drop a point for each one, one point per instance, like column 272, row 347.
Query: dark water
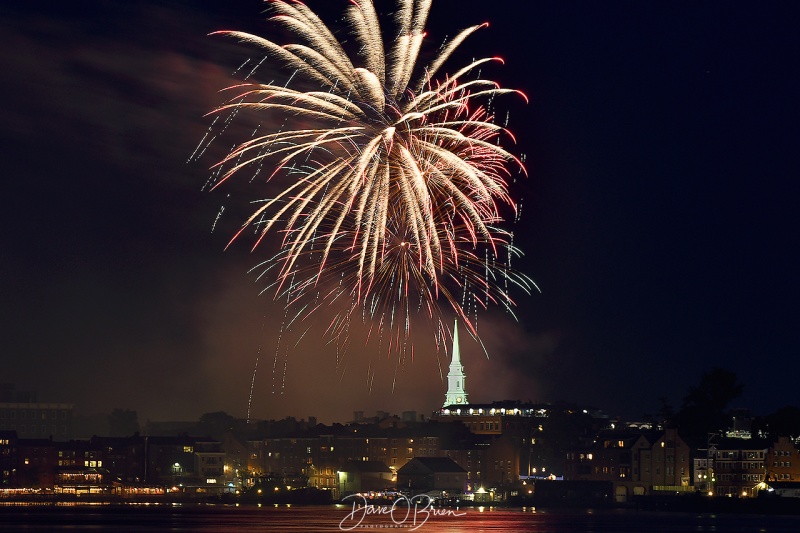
column 141, row 518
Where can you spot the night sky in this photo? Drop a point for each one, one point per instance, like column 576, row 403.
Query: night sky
column 659, row 218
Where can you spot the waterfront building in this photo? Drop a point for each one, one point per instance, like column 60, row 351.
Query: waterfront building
column 525, row 438
column 783, row 461
column 423, row 474
column 36, row 463
column 365, row 476
column 324, row 478
column 739, row 466
column 637, row 463
column 123, row 457
column 209, row 464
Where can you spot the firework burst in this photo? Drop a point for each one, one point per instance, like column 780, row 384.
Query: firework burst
column 390, row 202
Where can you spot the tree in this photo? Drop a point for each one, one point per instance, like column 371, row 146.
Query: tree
column 703, row 410
column 665, row 414
column 785, row 422
column 123, row 422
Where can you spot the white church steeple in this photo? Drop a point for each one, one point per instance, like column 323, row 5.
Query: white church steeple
column 456, row 391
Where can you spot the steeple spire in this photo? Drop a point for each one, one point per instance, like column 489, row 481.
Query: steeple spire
column 456, row 358
column 456, row 391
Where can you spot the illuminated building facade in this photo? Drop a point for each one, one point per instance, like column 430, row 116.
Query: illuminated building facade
column 209, row 463
column 739, row 466
column 324, row 478
column 365, row 476
column 783, row 461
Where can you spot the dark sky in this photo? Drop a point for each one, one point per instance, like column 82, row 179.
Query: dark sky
column 659, row 218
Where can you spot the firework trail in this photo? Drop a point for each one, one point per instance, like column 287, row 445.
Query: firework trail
column 392, row 177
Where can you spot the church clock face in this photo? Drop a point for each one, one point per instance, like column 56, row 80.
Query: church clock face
column 459, row 399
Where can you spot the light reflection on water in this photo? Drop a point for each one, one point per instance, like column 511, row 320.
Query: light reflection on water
column 245, row 519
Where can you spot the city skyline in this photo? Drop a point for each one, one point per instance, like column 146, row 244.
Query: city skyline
column 658, row 216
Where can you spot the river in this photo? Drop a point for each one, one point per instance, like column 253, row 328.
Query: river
column 244, row 519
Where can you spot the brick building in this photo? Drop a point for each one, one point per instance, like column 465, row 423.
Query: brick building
column 637, row 463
